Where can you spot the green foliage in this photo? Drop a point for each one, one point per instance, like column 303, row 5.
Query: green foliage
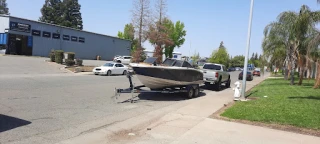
column 220, row 55
column 52, row 56
column 58, row 56
column 176, row 34
column 237, row 61
column 4, row 7
column 128, row 34
column 51, row 12
column 65, row 13
column 79, row 62
column 70, row 55
column 70, row 62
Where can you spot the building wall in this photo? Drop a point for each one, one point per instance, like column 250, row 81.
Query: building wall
column 95, row 44
column 4, row 23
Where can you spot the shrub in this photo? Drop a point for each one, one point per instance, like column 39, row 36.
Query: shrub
column 52, row 56
column 69, row 62
column 71, row 55
column 79, row 62
column 58, row 56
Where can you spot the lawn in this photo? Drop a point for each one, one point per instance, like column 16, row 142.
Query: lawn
column 285, row 104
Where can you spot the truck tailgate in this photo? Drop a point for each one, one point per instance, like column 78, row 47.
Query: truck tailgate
column 209, row 75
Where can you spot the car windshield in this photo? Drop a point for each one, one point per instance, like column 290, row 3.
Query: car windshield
column 212, row 67
column 108, row 65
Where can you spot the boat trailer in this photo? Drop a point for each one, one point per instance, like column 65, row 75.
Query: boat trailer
column 191, row 91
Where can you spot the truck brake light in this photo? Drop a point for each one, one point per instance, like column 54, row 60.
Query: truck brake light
column 216, row 75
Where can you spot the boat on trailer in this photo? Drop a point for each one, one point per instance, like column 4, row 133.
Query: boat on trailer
column 171, row 76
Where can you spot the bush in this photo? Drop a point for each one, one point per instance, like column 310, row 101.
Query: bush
column 71, row 55
column 79, row 62
column 58, row 56
column 52, row 56
column 69, row 62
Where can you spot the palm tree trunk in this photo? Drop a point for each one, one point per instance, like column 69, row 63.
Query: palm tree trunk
column 317, row 82
column 301, row 71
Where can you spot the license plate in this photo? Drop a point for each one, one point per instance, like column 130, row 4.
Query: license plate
column 211, row 82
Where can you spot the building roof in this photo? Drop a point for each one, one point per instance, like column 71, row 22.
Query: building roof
column 2, row 15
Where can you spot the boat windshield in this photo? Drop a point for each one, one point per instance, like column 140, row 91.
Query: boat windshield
column 108, row 64
column 168, row 62
column 212, row 67
column 150, row 60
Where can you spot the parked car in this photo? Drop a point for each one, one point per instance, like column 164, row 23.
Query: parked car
column 215, row 75
column 256, row 72
column 231, row 69
column 111, row 68
column 123, row 59
column 249, row 76
column 115, row 57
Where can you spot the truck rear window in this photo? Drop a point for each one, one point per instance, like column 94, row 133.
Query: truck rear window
column 212, row 67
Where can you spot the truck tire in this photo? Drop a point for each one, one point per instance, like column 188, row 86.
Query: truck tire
column 218, row 85
column 228, row 83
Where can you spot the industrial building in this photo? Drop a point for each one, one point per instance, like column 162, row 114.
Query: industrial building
column 20, row 36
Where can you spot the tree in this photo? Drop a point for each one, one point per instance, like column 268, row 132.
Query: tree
column 177, row 34
column 256, row 56
column 71, row 14
column 237, row 61
column 128, row 34
column 4, row 7
column 220, row 55
column 291, row 32
column 140, row 21
column 158, row 34
column 52, row 11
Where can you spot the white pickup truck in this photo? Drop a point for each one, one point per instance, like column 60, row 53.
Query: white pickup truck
column 215, row 75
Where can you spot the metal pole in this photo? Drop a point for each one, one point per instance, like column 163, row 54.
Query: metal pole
column 245, row 69
column 189, row 52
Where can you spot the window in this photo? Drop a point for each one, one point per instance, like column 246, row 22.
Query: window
column 81, row 39
column 74, row 38
column 108, row 64
column 36, row 32
column 56, row 36
column 127, row 57
column 119, row 65
column 46, row 34
column 212, row 67
column 186, row 64
column 66, row 37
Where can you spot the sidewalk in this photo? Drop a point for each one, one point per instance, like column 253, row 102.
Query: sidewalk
column 190, row 124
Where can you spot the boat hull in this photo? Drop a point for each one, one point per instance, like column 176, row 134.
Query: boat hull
column 158, row 77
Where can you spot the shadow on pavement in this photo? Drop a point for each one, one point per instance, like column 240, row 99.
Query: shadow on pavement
column 8, row 123
column 160, row 97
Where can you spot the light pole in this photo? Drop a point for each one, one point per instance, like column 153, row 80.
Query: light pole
column 245, row 69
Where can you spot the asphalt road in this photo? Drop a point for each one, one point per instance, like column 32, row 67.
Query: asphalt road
column 47, row 105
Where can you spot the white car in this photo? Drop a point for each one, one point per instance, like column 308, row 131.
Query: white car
column 111, row 68
column 123, row 59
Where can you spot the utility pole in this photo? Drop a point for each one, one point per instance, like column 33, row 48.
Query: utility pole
column 245, row 69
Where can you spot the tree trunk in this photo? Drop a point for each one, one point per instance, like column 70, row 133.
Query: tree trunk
column 301, row 71
column 317, row 82
column 292, row 60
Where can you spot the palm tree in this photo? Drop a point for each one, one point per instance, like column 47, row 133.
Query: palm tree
column 291, row 32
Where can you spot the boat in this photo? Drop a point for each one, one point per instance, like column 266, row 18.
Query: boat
column 170, row 73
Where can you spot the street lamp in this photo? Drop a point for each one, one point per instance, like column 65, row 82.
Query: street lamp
column 245, row 69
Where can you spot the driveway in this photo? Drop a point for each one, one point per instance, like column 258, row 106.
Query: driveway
column 27, row 66
column 40, row 103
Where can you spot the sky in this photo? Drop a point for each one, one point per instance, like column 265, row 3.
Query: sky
column 207, row 22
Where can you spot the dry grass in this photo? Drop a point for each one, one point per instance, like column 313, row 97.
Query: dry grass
column 83, row 68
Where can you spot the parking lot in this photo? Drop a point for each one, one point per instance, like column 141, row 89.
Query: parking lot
column 43, row 103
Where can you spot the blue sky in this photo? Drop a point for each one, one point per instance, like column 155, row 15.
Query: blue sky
column 208, row 22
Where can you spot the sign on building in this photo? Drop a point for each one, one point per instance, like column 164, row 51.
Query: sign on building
column 21, row 27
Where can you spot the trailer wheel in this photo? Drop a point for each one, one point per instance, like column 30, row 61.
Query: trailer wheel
column 190, row 92
column 196, row 91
